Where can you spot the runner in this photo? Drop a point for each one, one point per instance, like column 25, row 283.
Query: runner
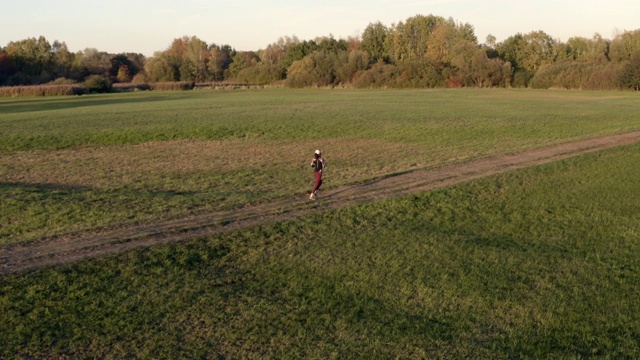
column 318, row 164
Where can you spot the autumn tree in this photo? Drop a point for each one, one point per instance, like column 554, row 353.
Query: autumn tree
column 174, row 56
column 274, row 54
column 444, row 37
column 189, row 59
column 474, row 68
column 193, row 64
column 122, row 68
column 273, row 60
column 409, row 39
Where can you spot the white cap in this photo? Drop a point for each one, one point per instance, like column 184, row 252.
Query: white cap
column 318, row 152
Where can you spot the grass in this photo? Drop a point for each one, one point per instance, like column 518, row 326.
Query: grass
column 80, row 163
column 535, row 263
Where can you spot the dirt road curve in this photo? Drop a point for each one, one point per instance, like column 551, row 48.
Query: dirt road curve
column 80, row 246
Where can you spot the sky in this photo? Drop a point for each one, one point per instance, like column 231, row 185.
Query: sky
column 148, row 26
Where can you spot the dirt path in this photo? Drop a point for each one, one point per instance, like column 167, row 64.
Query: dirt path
column 72, row 248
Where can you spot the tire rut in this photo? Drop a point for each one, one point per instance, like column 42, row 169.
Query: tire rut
column 71, row 248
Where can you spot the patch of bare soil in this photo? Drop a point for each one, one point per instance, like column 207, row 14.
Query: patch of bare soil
column 60, row 250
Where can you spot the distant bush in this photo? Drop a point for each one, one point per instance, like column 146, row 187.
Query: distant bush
column 19, row 79
column 225, row 85
column 139, row 78
column 419, row 74
column 317, row 69
column 566, row 75
column 121, row 87
column 578, row 75
column 521, row 78
column 261, row 74
column 97, row 83
column 63, row 81
column 379, row 76
column 605, row 77
column 42, row 90
column 172, row 86
column 630, row 74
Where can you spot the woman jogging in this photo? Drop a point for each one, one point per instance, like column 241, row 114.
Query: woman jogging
column 318, row 164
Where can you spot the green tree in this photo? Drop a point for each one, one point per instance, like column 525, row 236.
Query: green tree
column 159, row 69
column 260, row 74
column 509, row 49
column 242, row 60
column 62, row 59
column 331, row 45
column 317, row 69
column 91, row 61
column 298, row 51
column 34, row 57
column 374, row 41
column 594, row 50
column 219, row 61
column 98, row 83
column 538, row 50
column 625, row 46
column 527, row 53
column 350, row 64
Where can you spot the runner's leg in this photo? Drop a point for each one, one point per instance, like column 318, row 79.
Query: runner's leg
column 318, row 176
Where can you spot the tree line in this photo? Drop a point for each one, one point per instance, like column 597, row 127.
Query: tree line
column 422, row 51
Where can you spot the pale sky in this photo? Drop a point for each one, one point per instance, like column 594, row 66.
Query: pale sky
column 147, row 26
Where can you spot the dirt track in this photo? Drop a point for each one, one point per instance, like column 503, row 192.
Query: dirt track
column 72, row 248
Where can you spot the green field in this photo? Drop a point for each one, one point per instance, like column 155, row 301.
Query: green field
column 535, row 263
column 538, row 263
column 70, row 164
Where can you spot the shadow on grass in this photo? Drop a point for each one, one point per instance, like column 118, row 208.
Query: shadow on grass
column 44, row 187
column 52, row 187
column 74, row 102
column 370, row 182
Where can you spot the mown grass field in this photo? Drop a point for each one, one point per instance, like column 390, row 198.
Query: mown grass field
column 535, row 263
column 70, row 164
